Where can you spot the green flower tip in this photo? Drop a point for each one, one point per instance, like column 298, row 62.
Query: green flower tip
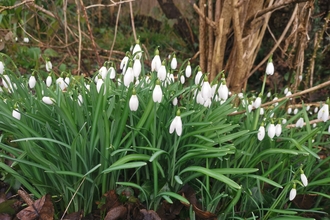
column 199, row 68
column 178, row 112
column 188, row 64
column 206, row 78
column 137, row 40
column 157, row 82
column 164, row 62
column 157, row 51
column 133, row 91
column 270, row 59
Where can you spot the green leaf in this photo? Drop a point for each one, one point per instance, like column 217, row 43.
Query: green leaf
column 130, row 165
column 174, row 195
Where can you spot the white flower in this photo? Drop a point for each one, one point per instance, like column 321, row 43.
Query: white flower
column 276, row 103
column 48, row 100
column 206, row 89
column 103, row 72
column 182, row 79
column 308, row 107
column 2, row 67
column 161, row 73
column 32, row 81
column 133, row 102
column 271, row 130
column 124, row 63
column 174, row 62
column 289, row 110
column 199, row 98
column 16, row 114
column 269, row 94
column 136, row 67
column 112, row 72
column 295, row 111
column 303, row 179
column 99, row 84
column 316, row 109
column 67, row 81
column 270, row 68
column 137, row 51
column 198, row 77
column 80, row 99
column 61, row 83
column 240, row 95
column 26, row 40
column 188, row 70
column 7, row 83
column 262, row 111
column 323, row 113
column 49, row 80
column 288, row 94
column 293, row 193
column 261, row 133
column 129, row 76
column 329, row 129
column 284, row 121
column 286, row 90
column 223, row 91
column 278, row 130
column 176, row 125
column 300, row 123
column 156, row 62
column 49, row 65
column 157, row 94
column 300, row 78
column 250, row 107
column 175, row 102
column 257, row 102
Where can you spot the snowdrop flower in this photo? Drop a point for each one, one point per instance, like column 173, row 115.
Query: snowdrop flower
column 261, row 132
column 286, row 90
column 329, row 129
column 32, row 81
column 303, row 178
column 199, row 98
column 16, row 114
column 26, row 40
column 269, row 94
column 316, row 109
column 157, row 93
column 289, row 110
column 103, row 72
column 198, row 76
column 288, row 94
column 137, row 67
column 278, row 130
column 49, row 65
column 206, row 89
column 188, row 70
column 60, row 82
column 48, row 100
column 80, row 99
column 2, row 67
column 124, row 62
column 7, row 83
column 137, row 51
column 161, row 73
column 262, row 111
column 175, row 101
column 134, row 101
column 240, row 95
column 323, row 113
column 300, row 123
column 276, row 103
column 314, row 125
column 99, row 84
column 257, row 102
column 293, row 193
column 271, row 130
column 174, row 62
column 112, row 72
column 176, row 124
column 295, row 111
column 270, row 67
column 182, row 79
column 223, row 91
column 129, row 75
column 49, row 80
column 207, row 103
column 308, row 107
column 300, row 78
column 284, row 121
column 67, row 80
column 250, row 107
column 156, row 62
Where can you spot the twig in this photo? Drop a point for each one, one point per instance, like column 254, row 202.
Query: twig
column 2, row 8
column 79, row 32
column 73, row 197
column 32, row 4
column 113, row 4
column 26, row 197
column 132, row 20
column 201, row 14
column 315, row 121
column 288, row 97
column 90, row 33
column 115, row 35
column 276, row 44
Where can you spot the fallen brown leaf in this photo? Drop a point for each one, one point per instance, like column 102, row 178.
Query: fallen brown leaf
column 42, row 209
column 116, row 213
